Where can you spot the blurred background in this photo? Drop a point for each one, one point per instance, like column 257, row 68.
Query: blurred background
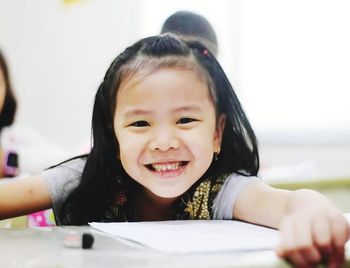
column 289, row 62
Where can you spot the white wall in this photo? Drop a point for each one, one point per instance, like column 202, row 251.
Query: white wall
column 292, row 63
column 292, row 68
column 58, row 54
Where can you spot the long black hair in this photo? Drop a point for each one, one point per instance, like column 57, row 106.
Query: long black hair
column 104, row 175
column 8, row 111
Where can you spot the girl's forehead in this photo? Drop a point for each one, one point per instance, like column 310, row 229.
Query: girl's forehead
column 141, row 67
column 138, row 71
column 140, row 77
column 163, row 93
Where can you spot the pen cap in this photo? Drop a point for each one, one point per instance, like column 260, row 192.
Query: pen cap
column 87, row 240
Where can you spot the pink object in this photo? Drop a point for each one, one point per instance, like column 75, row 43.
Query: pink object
column 41, row 218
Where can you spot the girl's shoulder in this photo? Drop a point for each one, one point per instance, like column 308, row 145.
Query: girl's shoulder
column 76, row 164
column 61, row 180
column 238, row 177
column 231, row 179
column 235, row 182
column 65, row 172
column 225, row 198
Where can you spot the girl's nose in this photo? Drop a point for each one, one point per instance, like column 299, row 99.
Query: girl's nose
column 163, row 140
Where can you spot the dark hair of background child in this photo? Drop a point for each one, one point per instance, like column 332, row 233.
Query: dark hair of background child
column 190, row 24
column 8, row 111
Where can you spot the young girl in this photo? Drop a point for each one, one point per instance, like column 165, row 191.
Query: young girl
column 171, row 141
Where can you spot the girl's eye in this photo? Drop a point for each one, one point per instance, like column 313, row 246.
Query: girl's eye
column 139, row 124
column 185, row 120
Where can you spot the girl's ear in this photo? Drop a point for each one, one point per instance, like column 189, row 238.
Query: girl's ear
column 220, row 126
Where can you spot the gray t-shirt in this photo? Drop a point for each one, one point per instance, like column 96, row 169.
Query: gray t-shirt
column 61, row 180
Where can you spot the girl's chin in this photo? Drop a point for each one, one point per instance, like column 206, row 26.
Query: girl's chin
column 167, row 195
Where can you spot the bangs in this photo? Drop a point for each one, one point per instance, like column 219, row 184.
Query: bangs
column 142, row 66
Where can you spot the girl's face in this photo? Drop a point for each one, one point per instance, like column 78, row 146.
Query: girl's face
column 2, row 89
column 166, row 129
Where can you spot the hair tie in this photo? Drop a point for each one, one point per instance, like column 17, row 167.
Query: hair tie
column 205, row 52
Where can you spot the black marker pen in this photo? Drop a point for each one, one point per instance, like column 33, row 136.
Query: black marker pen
column 74, row 240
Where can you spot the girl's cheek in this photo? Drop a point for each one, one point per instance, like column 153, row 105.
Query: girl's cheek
column 131, row 144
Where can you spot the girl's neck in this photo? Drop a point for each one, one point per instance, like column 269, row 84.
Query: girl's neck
column 150, row 207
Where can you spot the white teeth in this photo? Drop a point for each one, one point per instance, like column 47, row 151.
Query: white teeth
column 166, row 167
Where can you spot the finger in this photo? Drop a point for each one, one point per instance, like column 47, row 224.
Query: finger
column 304, row 243
column 311, row 255
column 287, row 238
column 297, row 260
column 321, row 232
column 296, row 243
column 340, row 234
column 340, row 229
column 337, row 257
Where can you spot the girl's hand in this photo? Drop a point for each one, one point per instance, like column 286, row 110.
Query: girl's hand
column 312, row 229
column 314, row 235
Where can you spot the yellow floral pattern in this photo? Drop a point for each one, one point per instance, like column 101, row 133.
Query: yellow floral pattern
column 199, row 206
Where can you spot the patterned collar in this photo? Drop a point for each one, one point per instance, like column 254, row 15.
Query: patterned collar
column 195, row 204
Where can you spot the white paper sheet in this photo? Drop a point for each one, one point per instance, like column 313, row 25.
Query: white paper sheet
column 194, row 236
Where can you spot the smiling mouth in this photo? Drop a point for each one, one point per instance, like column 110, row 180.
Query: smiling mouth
column 164, row 167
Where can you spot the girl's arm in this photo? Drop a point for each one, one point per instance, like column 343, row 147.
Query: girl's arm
column 20, row 196
column 312, row 229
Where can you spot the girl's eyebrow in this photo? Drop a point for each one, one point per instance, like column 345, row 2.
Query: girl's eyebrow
column 189, row 108
column 137, row 112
